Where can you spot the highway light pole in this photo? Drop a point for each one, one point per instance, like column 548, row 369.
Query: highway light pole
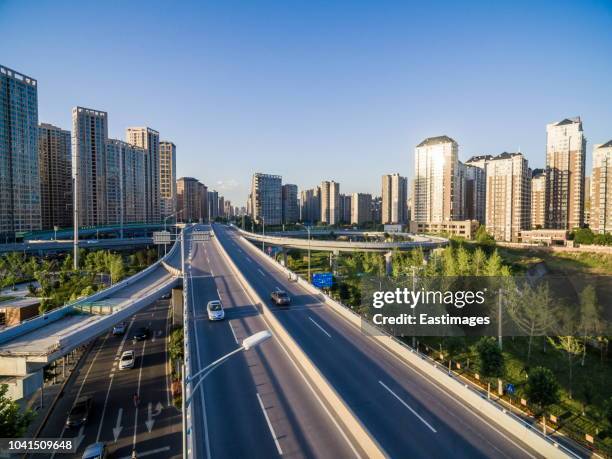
column 308, row 229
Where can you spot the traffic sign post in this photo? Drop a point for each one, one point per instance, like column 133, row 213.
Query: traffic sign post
column 200, row 236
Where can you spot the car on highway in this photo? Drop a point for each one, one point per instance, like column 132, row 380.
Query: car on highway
column 141, row 334
column 119, row 329
column 95, row 451
column 215, row 311
column 280, row 297
column 80, row 412
column 127, row 360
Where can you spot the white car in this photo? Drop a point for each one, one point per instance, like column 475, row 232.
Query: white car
column 127, row 360
column 215, row 310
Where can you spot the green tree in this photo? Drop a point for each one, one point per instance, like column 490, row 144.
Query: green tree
column 494, row 265
column 482, row 237
column 542, row 387
column 583, row 236
column 491, row 357
column 13, row 421
column 117, row 268
column 590, row 316
column 608, row 411
column 175, row 346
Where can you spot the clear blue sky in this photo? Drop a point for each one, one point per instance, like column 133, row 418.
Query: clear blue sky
column 318, row 90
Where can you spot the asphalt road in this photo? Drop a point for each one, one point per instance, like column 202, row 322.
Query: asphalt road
column 257, row 404
column 153, row 426
column 408, row 414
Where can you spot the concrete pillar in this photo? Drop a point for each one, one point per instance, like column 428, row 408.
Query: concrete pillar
column 388, row 263
column 333, row 261
column 284, row 257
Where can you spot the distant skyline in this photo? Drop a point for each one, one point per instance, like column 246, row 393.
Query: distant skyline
column 319, row 90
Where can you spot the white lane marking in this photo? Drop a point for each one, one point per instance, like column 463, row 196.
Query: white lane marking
column 144, row 345
column 263, row 408
column 320, row 328
column 233, row 332
column 150, row 452
column 261, row 272
column 218, row 293
column 408, row 406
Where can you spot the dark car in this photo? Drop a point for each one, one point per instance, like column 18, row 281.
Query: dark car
column 280, row 297
column 141, row 334
column 80, row 412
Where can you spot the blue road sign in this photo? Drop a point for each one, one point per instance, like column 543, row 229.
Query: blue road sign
column 323, row 280
column 510, row 388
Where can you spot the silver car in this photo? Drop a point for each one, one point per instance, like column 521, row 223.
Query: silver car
column 215, row 310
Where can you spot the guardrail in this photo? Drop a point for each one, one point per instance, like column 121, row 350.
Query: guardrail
column 492, row 411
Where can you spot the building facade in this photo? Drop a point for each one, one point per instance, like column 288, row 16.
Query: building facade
column 345, row 208
column 601, row 189
column 189, row 198
column 266, row 199
column 565, row 170
column 436, row 175
column 167, row 177
column 291, row 210
column 538, row 199
column 394, row 199
column 19, row 176
column 474, row 192
column 508, row 196
column 55, row 172
column 361, row 208
column 213, row 205
column 330, row 203
column 310, row 205
column 148, row 139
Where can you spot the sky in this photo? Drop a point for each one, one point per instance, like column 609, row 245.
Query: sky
column 319, row 90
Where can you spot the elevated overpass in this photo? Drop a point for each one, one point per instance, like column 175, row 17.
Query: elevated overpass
column 27, row 347
column 41, row 247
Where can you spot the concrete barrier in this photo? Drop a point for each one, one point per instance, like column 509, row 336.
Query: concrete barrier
column 495, row 413
column 353, row 427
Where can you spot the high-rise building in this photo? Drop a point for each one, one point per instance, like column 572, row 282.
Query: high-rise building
column 221, row 207
column 330, row 203
column 565, row 164
column 436, row 175
column 473, row 181
column 125, row 187
column 361, row 208
column 394, row 199
column 19, row 179
column 55, row 171
column 601, row 189
column 167, row 177
column 310, row 203
column 344, row 208
column 266, row 199
column 538, row 198
column 291, row 210
column 587, row 201
column 213, row 205
column 229, row 209
column 189, row 198
column 508, row 196
column 376, row 209
column 204, row 206
column 147, row 138
column 89, row 138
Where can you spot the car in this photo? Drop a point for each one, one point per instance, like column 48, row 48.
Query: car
column 215, row 310
column 95, row 451
column 141, row 334
column 80, row 412
column 119, row 329
column 126, row 360
column 280, row 297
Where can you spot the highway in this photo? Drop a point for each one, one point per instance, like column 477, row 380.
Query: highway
column 153, row 427
column 257, row 404
column 407, row 413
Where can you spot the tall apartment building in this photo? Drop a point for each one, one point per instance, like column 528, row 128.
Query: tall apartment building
column 377, row 209
column 55, row 172
column 435, row 182
column 213, row 205
column 221, row 206
column 266, row 199
column 19, row 179
column 394, row 199
column 89, row 138
column 508, row 196
column 148, row 139
column 189, row 198
column 601, row 189
column 565, row 169
column 125, row 187
column 167, row 177
column 229, row 209
column 361, row 208
column 538, row 198
column 344, row 208
column 204, row 205
column 310, row 205
column 474, row 192
column 291, row 210
column 330, row 203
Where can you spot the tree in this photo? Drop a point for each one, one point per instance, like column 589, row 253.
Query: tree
column 116, row 268
column 573, row 347
column 493, row 266
column 13, row 422
column 583, row 236
column 542, row 387
column 482, row 237
column 491, row 357
column 608, row 410
column 590, row 316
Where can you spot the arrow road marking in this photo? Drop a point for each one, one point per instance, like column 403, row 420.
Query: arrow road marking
column 117, row 429
column 150, row 421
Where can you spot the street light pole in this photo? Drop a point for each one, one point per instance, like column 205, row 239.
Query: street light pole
column 308, row 229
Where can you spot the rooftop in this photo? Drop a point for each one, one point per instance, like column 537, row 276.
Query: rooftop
column 436, row 141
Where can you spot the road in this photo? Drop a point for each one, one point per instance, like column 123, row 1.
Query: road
column 153, row 427
column 408, row 414
column 257, row 404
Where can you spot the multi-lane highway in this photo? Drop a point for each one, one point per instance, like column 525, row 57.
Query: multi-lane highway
column 152, row 426
column 258, row 404
column 407, row 413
